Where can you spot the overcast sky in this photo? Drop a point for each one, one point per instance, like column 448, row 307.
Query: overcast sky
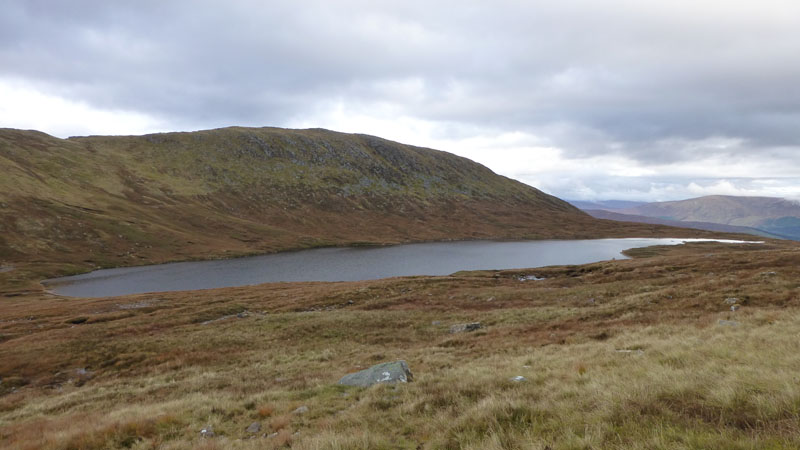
column 597, row 99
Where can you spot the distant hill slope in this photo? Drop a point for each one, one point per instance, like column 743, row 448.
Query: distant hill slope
column 610, row 215
column 770, row 216
column 773, row 215
column 106, row 201
column 730, row 210
column 611, row 205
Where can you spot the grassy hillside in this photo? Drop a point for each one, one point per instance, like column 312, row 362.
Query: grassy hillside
column 80, row 203
column 636, row 354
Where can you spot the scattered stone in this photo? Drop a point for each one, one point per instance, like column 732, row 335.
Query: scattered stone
column 731, row 301
column 388, row 372
column 530, row 278
column 136, row 305
column 592, row 300
column 518, row 379
column 254, row 427
column 301, row 410
column 436, row 322
column 490, row 299
column 273, row 435
column 526, row 366
column 83, row 376
column 241, row 315
column 207, row 432
column 769, row 274
column 462, row 327
column 728, row 323
column 734, row 307
column 626, row 350
column 350, row 302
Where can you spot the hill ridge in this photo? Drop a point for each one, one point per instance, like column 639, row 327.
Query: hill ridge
column 101, row 201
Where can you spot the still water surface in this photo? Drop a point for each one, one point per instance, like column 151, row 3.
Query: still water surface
column 346, row 264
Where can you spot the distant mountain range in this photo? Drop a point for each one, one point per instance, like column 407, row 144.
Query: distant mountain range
column 765, row 216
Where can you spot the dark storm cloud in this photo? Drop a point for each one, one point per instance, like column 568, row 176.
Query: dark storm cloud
column 652, row 81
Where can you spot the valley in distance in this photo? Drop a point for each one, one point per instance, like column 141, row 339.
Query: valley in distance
column 680, row 346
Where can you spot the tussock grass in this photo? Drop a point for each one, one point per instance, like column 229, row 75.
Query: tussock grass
column 645, row 365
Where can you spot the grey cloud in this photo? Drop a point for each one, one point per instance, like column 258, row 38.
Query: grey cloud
column 642, row 79
column 663, row 188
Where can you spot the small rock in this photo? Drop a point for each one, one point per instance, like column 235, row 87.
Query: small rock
column 273, row 435
column 490, row 299
column 301, row 410
column 734, row 307
column 731, row 301
column 207, row 432
column 350, row 302
column 242, row 315
column 518, row 379
column 254, row 427
column 530, row 278
column 462, row 327
column 82, row 371
column 436, row 322
column 591, row 300
column 626, row 350
column 728, row 323
column 389, row 372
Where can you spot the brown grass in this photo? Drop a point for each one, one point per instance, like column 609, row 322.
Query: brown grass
column 280, row 423
column 265, row 411
column 645, row 365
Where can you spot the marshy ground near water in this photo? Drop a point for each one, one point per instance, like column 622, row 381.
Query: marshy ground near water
column 682, row 347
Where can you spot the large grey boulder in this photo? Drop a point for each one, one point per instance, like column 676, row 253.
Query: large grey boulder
column 389, row 372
